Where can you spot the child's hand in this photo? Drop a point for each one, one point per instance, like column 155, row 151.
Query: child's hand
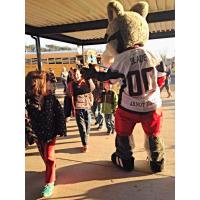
column 114, row 112
column 73, row 113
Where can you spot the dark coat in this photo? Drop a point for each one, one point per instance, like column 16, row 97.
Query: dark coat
column 47, row 120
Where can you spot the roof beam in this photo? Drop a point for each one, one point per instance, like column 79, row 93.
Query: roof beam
column 162, row 34
column 63, row 38
column 161, row 16
column 157, row 35
column 92, row 25
column 30, row 30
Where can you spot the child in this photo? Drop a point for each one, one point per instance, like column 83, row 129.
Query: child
column 97, row 105
column 109, row 106
column 67, row 105
column 47, row 121
column 82, row 100
column 68, row 97
column 53, row 80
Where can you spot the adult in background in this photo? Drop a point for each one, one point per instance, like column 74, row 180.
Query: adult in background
column 167, row 81
column 64, row 76
column 52, row 78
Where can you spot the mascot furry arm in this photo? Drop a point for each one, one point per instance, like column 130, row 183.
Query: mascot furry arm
column 101, row 76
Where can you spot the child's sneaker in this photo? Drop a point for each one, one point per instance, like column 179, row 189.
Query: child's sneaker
column 84, row 149
column 48, row 190
column 108, row 132
column 100, row 127
column 113, row 131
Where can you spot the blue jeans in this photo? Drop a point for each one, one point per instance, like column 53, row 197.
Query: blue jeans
column 96, row 110
column 109, row 122
column 83, row 120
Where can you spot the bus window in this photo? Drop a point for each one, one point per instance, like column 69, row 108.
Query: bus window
column 44, row 61
column 65, row 60
column 34, row 60
column 58, row 60
column 73, row 60
column 28, row 61
column 51, row 60
column 79, row 57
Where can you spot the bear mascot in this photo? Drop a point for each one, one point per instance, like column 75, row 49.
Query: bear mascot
column 136, row 69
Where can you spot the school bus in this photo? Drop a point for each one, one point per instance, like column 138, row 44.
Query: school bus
column 54, row 60
column 57, row 60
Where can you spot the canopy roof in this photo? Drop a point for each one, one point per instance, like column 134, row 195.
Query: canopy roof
column 84, row 22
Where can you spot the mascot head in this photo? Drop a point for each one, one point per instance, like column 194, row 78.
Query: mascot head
column 125, row 29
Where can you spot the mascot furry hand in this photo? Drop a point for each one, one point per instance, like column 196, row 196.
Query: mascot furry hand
column 136, row 69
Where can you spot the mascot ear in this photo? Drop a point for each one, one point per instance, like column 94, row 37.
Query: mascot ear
column 142, row 8
column 114, row 9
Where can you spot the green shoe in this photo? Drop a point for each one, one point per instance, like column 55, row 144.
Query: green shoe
column 48, row 190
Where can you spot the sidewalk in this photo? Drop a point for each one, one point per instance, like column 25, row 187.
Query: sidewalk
column 92, row 176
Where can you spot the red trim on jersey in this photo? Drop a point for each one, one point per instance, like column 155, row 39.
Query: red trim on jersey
column 161, row 81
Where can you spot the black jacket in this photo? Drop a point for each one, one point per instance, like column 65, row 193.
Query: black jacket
column 47, row 120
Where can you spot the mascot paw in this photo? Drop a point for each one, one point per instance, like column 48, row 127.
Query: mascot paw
column 157, row 166
column 90, row 72
column 127, row 165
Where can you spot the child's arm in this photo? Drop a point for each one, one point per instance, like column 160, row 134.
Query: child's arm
column 60, row 125
column 91, row 84
column 101, row 76
column 29, row 133
column 71, row 91
column 115, row 102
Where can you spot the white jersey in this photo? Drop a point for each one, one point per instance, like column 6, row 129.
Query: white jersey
column 139, row 90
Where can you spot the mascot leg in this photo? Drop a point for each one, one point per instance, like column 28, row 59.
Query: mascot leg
column 155, row 148
column 124, row 140
column 123, row 156
column 154, row 145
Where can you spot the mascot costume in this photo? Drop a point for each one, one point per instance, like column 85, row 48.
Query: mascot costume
column 137, row 71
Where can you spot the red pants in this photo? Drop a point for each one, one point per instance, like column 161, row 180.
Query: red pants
column 161, row 81
column 126, row 121
column 47, row 152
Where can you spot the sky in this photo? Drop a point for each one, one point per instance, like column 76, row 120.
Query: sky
column 159, row 46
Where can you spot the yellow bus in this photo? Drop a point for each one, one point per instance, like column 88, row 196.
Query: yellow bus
column 57, row 60
column 54, row 60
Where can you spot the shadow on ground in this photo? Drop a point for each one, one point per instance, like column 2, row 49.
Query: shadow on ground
column 149, row 189
column 74, row 150
column 33, row 184
column 168, row 102
column 81, row 172
column 97, row 170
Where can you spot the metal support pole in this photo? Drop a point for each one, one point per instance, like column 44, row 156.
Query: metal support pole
column 83, row 55
column 37, row 41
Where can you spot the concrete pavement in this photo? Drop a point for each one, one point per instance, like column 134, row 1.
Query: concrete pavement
column 92, row 175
